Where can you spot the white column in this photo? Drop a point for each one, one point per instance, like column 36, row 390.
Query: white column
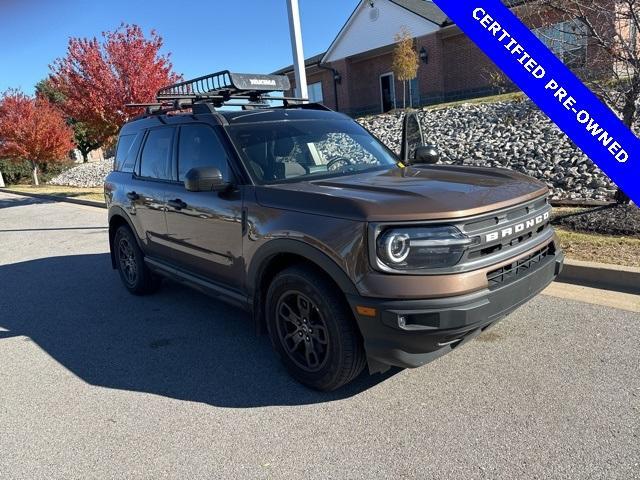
column 296, row 48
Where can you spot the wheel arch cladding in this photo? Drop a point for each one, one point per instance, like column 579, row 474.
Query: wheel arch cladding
column 117, row 218
column 279, row 254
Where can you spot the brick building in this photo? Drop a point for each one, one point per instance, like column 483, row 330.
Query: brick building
column 354, row 74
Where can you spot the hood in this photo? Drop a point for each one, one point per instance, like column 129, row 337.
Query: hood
column 413, row 193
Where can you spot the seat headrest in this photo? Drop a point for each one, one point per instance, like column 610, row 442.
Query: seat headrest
column 283, row 147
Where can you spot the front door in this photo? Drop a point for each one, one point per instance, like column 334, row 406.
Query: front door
column 387, row 92
column 205, row 228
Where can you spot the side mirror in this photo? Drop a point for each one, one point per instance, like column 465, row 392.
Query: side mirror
column 426, row 154
column 205, row 179
column 411, row 137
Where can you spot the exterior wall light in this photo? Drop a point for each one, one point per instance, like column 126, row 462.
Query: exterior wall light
column 424, row 55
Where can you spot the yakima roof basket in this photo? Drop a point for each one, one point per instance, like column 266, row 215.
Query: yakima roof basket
column 225, row 85
column 218, row 89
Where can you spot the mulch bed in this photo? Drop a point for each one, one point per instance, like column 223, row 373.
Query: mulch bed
column 610, row 220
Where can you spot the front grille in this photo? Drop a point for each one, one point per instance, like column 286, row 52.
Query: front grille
column 499, row 222
column 509, row 273
column 495, row 236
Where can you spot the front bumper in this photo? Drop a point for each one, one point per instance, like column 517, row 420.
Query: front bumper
column 410, row 333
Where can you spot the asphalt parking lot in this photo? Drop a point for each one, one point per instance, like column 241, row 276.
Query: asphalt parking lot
column 96, row 383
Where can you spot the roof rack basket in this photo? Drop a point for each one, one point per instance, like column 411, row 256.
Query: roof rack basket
column 220, row 87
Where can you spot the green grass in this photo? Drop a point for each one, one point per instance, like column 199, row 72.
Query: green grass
column 95, row 194
column 600, row 248
column 594, row 247
column 505, row 97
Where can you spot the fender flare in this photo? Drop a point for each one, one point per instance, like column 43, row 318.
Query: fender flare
column 119, row 212
column 289, row 246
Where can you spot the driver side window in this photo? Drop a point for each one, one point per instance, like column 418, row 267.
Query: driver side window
column 199, row 146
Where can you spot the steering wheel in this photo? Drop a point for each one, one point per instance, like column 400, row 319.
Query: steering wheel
column 345, row 160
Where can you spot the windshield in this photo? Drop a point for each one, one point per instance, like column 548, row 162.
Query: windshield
column 308, row 149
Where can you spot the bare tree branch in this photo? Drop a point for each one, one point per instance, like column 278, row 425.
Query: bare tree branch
column 608, row 30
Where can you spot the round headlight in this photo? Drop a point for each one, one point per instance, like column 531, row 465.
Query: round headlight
column 397, row 246
column 421, row 248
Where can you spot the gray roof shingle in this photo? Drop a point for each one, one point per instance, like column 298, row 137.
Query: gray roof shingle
column 430, row 11
column 425, row 9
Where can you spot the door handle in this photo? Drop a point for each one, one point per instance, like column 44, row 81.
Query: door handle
column 133, row 196
column 177, row 204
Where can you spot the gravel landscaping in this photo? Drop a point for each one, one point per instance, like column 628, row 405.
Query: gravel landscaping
column 90, row 174
column 508, row 134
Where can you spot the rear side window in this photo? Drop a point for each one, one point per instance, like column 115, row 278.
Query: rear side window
column 124, row 144
column 128, row 146
column 199, row 146
column 155, row 161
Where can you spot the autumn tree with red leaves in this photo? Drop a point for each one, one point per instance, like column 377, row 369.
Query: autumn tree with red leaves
column 33, row 129
column 96, row 79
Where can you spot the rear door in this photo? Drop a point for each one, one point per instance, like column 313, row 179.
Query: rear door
column 205, row 228
column 153, row 173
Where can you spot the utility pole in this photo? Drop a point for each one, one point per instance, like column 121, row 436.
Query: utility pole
column 296, row 48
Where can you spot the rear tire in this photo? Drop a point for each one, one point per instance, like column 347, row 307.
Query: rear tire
column 313, row 330
column 134, row 273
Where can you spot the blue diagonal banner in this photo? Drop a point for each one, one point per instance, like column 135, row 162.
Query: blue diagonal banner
column 593, row 127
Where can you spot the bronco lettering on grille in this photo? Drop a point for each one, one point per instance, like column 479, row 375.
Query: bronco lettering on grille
column 517, row 228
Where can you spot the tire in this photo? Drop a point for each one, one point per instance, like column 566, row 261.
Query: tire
column 313, row 330
column 135, row 275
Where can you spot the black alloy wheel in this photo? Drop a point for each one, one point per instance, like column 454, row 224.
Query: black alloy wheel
column 302, row 331
column 312, row 328
column 127, row 261
column 135, row 275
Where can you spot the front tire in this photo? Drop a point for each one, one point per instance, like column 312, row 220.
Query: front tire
column 135, row 275
column 312, row 329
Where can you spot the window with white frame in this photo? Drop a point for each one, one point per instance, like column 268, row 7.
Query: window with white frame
column 315, row 92
column 567, row 40
column 415, row 92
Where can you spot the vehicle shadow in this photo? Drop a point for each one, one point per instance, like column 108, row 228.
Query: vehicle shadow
column 20, row 201
column 177, row 343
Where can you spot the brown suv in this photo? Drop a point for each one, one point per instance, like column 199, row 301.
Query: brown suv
column 345, row 253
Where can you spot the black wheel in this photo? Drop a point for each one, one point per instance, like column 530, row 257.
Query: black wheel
column 313, row 330
column 135, row 275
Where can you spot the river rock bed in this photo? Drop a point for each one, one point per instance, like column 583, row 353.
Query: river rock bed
column 511, row 134
column 85, row 175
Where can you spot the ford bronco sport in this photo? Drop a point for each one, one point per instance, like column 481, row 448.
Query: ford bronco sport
column 346, row 254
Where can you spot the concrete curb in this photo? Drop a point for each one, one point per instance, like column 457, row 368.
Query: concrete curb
column 55, row 198
column 601, row 275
